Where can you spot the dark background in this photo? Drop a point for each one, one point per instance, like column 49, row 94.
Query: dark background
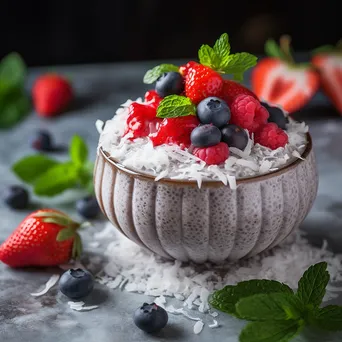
column 73, row 32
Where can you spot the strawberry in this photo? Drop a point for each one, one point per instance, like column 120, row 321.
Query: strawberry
column 328, row 60
column 46, row 237
column 51, row 94
column 201, row 82
column 279, row 80
column 232, row 89
column 184, row 69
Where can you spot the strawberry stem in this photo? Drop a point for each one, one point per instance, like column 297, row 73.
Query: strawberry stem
column 285, row 46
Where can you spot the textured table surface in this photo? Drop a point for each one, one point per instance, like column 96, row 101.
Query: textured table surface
column 100, row 90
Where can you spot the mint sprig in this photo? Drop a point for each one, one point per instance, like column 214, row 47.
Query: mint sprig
column 174, row 106
column 221, row 60
column 14, row 102
column 277, row 314
column 50, row 177
column 153, row 74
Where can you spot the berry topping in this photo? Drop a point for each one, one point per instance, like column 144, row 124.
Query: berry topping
column 76, row 283
column 270, row 135
column 88, row 207
column 276, row 115
column 213, row 155
column 143, row 110
column 213, row 110
column 153, row 98
column 205, row 136
column 232, row 89
column 150, row 318
column 184, row 69
column 170, row 83
column 42, row 141
column 234, row 136
column 16, row 197
column 175, row 131
column 248, row 113
column 202, row 82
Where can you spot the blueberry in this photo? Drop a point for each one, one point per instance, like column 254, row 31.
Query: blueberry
column 213, row 110
column 42, row 141
column 150, row 318
column 170, row 83
column 16, row 197
column 76, row 283
column 88, row 207
column 205, row 136
column 276, row 115
column 234, row 136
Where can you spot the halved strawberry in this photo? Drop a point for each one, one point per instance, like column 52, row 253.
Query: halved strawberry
column 328, row 61
column 279, row 80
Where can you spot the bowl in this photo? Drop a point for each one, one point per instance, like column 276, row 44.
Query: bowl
column 177, row 220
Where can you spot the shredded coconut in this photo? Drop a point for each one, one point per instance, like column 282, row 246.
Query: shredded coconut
column 79, row 306
column 214, row 324
column 49, row 284
column 173, row 162
column 198, row 327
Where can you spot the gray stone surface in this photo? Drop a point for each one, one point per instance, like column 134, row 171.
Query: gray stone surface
column 100, row 89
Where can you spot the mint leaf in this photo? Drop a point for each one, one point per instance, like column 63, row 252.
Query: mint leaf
column 271, row 306
column 174, row 106
column 12, row 72
column 208, row 57
column 276, row 331
column 272, row 49
column 152, row 75
column 78, row 150
column 328, row 318
column 324, row 49
column 56, row 180
column 238, row 63
column 311, row 287
column 30, row 168
column 222, row 49
column 226, row 298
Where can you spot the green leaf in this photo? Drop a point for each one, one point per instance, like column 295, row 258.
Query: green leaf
column 12, row 72
column 328, row 318
column 77, row 247
column 174, row 106
column 238, row 63
column 152, row 75
column 226, row 298
column 324, row 49
column 65, row 234
column 78, row 150
column 14, row 106
column 29, row 168
column 208, row 57
column 222, row 49
column 56, row 180
column 271, row 306
column 311, row 286
column 276, row 331
column 272, row 49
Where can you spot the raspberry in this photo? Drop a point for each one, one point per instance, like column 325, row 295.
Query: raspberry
column 175, row 131
column 153, row 98
column 213, row 155
column 270, row 135
column 247, row 112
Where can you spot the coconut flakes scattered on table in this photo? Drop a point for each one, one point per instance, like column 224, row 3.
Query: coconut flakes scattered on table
column 49, row 284
column 198, row 327
column 136, row 270
column 79, row 306
column 172, row 162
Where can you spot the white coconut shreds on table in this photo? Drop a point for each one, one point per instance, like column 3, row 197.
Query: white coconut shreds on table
column 134, row 269
column 172, row 162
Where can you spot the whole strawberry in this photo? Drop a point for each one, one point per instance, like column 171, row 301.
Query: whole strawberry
column 46, row 237
column 231, row 89
column 51, row 94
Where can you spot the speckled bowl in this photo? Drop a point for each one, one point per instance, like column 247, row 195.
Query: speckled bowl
column 177, row 220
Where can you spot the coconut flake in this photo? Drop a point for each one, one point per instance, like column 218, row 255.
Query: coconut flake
column 214, row 324
column 198, row 327
column 232, row 182
column 99, row 126
column 49, row 284
column 297, row 155
column 79, row 306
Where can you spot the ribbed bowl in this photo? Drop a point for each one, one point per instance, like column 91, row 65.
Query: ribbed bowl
column 177, row 220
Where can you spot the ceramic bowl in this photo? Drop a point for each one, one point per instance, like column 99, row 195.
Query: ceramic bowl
column 177, row 220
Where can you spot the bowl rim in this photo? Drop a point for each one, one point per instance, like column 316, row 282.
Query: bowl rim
column 208, row 183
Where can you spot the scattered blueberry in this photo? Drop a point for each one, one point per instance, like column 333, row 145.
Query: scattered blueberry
column 213, row 110
column 276, row 115
column 170, row 83
column 16, row 197
column 205, row 136
column 150, row 318
column 88, row 207
column 42, row 141
column 76, row 283
column 234, row 136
